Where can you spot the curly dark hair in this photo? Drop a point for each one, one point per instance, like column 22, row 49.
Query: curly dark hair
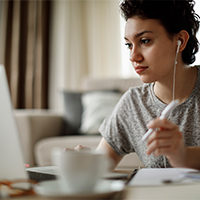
column 174, row 15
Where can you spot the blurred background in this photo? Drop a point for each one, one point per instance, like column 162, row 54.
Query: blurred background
column 51, row 46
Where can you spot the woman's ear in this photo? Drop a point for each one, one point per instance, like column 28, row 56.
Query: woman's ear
column 183, row 36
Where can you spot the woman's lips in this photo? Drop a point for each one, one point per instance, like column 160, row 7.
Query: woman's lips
column 140, row 69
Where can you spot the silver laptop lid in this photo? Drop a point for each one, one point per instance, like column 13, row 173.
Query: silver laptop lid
column 11, row 158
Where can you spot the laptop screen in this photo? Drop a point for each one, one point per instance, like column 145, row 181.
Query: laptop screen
column 11, row 158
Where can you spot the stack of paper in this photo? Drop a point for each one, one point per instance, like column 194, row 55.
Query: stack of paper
column 160, row 176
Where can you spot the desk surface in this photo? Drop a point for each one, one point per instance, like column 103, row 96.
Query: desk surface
column 172, row 192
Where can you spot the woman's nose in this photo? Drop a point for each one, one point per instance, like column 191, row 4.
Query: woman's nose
column 135, row 55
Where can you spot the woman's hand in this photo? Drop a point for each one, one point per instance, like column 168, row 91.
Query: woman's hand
column 78, row 148
column 167, row 140
column 102, row 147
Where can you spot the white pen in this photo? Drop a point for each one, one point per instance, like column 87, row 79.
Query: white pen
column 164, row 114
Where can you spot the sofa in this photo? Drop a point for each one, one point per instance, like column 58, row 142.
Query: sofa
column 40, row 131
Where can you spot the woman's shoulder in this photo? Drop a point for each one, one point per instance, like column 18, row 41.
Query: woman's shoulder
column 137, row 92
column 143, row 89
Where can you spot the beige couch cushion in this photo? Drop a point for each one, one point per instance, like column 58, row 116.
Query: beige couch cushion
column 44, row 148
column 34, row 125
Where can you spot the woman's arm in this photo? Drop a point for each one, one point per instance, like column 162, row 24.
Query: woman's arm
column 103, row 145
column 192, row 157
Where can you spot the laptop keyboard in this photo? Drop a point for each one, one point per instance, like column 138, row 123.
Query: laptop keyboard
column 37, row 176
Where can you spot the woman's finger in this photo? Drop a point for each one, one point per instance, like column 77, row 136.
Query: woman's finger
column 81, row 148
column 164, row 123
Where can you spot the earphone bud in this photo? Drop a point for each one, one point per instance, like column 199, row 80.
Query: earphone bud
column 177, row 50
column 178, row 45
column 175, row 63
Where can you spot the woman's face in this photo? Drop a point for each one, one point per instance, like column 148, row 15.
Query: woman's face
column 152, row 52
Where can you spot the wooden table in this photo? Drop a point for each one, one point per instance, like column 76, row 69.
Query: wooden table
column 166, row 192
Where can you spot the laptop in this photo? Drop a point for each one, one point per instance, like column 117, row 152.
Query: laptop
column 11, row 154
column 11, row 159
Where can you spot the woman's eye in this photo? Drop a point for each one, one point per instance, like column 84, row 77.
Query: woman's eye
column 129, row 46
column 144, row 41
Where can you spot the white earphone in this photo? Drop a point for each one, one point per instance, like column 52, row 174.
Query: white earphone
column 174, row 80
column 175, row 63
column 178, row 45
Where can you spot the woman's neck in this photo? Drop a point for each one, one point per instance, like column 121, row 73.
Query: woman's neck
column 184, row 84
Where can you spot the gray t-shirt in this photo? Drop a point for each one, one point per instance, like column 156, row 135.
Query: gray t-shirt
column 124, row 128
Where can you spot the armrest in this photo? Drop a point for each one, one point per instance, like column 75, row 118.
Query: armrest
column 34, row 125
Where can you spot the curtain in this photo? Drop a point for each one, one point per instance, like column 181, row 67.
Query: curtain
column 24, row 51
column 85, row 42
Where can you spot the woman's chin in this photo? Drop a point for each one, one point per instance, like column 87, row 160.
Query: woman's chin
column 145, row 79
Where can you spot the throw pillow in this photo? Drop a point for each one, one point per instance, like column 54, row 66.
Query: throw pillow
column 73, row 112
column 96, row 106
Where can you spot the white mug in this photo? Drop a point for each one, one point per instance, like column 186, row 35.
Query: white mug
column 79, row 172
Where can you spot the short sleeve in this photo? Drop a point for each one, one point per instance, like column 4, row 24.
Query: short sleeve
column 116, row 128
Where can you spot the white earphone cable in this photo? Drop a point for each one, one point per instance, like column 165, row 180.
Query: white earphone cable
column 174, row 75
column 174, row 85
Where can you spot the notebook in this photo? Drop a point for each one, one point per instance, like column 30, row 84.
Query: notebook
column 11, row 154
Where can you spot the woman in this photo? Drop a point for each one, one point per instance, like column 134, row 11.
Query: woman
column 152, row 32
